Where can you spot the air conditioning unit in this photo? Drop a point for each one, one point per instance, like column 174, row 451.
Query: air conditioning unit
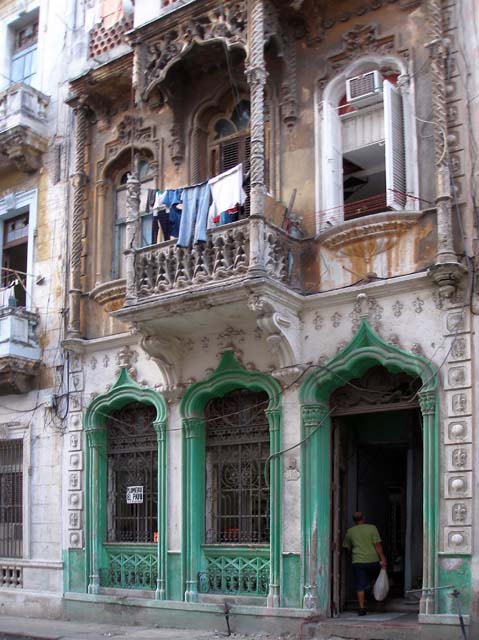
column 364, row 89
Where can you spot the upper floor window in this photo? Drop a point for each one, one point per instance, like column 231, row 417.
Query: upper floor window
column 15, row 259
column 229, row 143
column 364, row 143
column 120, row 219
column 229, row 140
column 24, row 55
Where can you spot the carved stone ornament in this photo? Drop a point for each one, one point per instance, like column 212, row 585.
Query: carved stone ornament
column 319, row 21
column 230, row 338
column 131, row 128
column 279, row 329
column 110, row 294
column 125, row 359
column 17, row 375
column 369, row 308
column 459, row 513
column 361, row 39
column 23, row 148
column 386, row 230
column 376, row 387
column 227, row 24
column 314, row 415
column 291, row 472
column 177, row 144
column 167, row 352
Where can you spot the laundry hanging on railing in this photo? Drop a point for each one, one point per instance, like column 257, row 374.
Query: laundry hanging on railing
column 194, row 216
column 186, row 213
column 228, row 194
column 7, row 295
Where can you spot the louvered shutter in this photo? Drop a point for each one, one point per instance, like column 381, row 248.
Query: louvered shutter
column 332, row 162
column 230, row 154
column 394, row 147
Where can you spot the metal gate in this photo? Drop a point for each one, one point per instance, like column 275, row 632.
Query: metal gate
column 132, row 452
column 237, row 447
column 11, row 498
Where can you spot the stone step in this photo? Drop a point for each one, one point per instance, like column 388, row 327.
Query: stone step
column 379, row 627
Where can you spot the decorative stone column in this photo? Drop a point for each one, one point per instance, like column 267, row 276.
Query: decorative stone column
column 162, row 481
column 96, row 440
column 256, row 76
column 274, row 419
column 427, row 402
column 78, row 182
column 194, row 459
column 447, row 271
column 132, row 230
column 315, row 465
column 100, row 231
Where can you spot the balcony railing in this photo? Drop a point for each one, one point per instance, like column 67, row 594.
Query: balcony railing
column 19, row 349
column 22, row 104
column 23, row 131
column 225, row 255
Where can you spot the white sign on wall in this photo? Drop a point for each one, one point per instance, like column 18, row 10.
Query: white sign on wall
column 134, row 495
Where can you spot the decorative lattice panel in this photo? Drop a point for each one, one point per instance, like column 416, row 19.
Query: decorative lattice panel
column 103, row 39
column 236, row 576
column 130, row 571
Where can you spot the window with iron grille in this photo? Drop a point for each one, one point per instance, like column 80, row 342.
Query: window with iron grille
column 11, row 498
column 132, row 453
column 237, row 448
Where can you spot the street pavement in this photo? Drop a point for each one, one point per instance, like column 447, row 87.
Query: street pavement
column 38, row 629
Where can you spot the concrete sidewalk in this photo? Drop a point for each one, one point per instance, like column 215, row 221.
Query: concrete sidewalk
column 34, row 628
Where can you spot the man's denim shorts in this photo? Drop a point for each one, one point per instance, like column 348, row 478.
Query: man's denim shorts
column 364, row 573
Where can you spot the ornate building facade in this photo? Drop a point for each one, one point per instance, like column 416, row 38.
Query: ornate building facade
column 239, row 381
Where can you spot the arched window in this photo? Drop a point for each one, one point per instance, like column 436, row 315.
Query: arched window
column 132, row 471
column 365, row 145
column 229, row 140
column 119, row 218
column 237, row 449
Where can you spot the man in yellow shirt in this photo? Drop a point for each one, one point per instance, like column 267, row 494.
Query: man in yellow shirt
column 364, row 541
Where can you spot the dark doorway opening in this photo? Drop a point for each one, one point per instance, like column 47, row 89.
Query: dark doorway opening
column 377, row 468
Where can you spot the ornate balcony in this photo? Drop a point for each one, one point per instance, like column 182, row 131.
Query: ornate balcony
column 247, row 272
column 23, row 130
column 166, row 269
column 19, row 350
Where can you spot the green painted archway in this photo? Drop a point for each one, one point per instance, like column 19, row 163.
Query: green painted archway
column 124, row 391
column 365, row 350
column 229, row 375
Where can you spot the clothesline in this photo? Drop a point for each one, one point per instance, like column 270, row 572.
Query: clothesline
column 186, row 213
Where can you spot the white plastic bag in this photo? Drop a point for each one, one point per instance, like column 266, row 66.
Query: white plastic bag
column 381, row 586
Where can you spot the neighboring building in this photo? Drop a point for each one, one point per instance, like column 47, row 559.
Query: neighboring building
column 33, row 202
column 228, row 403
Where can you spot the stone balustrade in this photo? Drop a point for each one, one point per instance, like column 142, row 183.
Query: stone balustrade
column 23, row 131
column 21, row 101
column 225, row 255
column 19, row 350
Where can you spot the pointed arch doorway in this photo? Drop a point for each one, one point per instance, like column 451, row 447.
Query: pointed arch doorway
column 377, row 468
column 365, row 351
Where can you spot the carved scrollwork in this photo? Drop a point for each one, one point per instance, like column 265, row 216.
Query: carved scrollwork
column 313, row 415
column 225, row 24
column 167, row 352
column 377, row 387
column 279, row 329
column 361, row 39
